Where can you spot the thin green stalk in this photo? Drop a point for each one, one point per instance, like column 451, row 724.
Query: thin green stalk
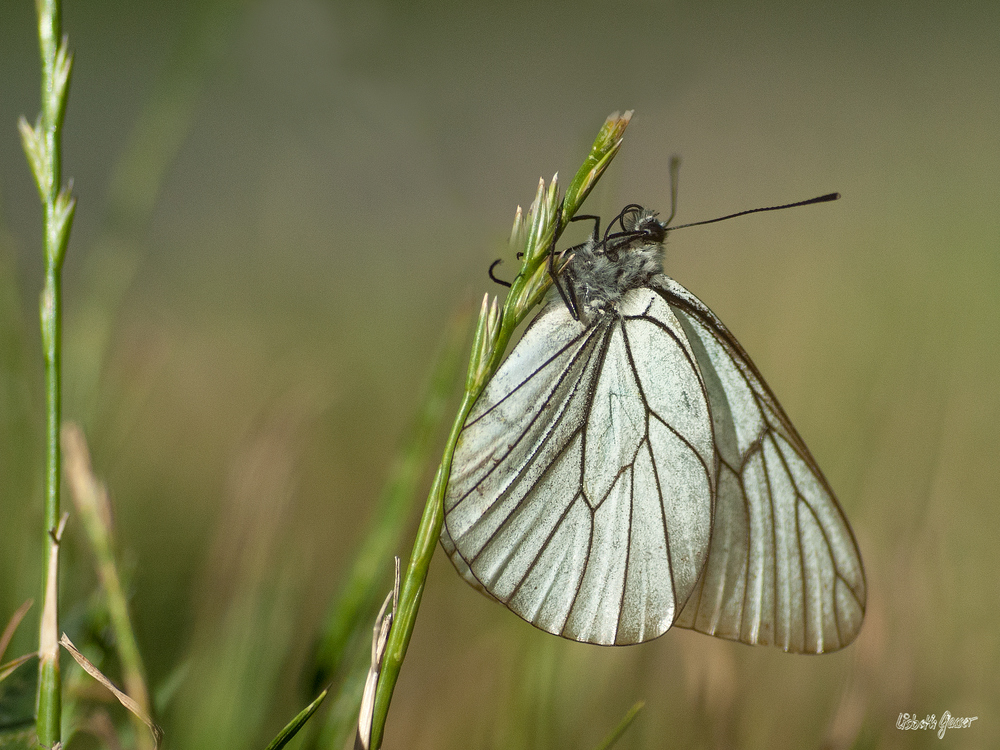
column 42, row 145
column 534, row 237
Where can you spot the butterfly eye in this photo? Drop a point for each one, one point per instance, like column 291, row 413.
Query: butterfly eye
column 653, row 230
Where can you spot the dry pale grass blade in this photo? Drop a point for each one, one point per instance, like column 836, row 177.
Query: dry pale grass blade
column 129, row 704
column 380, row 637
column 15, row 620
column 845, row 727
column 88, row 493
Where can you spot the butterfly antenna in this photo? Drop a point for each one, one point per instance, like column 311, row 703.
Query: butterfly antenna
column 675, row 172
column 619, row 220
column 820, row 199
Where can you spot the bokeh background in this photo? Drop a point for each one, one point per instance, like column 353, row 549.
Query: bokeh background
column 283, row 205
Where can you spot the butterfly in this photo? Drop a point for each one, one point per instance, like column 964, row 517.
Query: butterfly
column 627, row 469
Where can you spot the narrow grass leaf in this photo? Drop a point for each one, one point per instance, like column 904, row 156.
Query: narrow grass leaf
column 90, row 497
column 293, row 727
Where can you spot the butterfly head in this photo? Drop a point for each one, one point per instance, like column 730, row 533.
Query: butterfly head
column 639, row 226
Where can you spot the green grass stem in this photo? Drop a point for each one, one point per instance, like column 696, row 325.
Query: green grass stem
column 42, row 146
column 534, row 236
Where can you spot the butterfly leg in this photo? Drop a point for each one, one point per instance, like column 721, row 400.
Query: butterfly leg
column 568, row 295
column 494, row 278
column 597, row 224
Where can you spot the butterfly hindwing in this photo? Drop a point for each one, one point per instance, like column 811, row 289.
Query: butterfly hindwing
column 783, row 567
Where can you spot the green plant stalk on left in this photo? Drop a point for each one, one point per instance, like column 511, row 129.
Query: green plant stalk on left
column 42, row 146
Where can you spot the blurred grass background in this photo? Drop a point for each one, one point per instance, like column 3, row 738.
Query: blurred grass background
column 282, row 204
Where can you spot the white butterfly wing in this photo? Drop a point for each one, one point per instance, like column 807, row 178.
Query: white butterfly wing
column 581, row 488
column 783, row 567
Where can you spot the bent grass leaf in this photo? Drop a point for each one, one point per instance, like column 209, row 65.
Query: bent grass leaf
column 293, row 727
column 124, row 699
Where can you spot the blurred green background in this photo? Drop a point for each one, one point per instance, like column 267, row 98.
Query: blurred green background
column 281, row 206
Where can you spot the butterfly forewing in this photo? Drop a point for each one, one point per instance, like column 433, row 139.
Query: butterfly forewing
column 783, row 567
column 582, row 482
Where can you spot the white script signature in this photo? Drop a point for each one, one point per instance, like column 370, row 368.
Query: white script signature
column 947, row 721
